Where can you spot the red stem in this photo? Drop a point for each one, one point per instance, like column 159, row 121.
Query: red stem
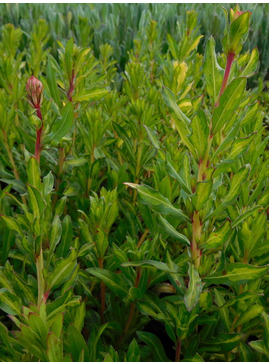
column 71, row 87
column 230, row 59
column 178, row 349
column 38, row 146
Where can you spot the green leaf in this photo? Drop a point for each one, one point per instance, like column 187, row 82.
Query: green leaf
column 37, row 203
column 195, row 358
column 152, row 137
column 249, row 314
column 77, row 344
column 194, row 290
column 62, row 272
column 9, row 303
column 67, row 236
column 52, row 83
column 114, row 282
column 149, row 264
column 54, row 348
column 225, row 342
column 245, row 215
column 69, row 58
column 12, row 224
column 237, row 180
column 236, row 273
column 133, row 354
column 229, row 102
column 62, row 125
column 182, row 122
column 212, row 71
column 90, row 95
column 33, row 173
column 239, row 32
column 173, row 47
column 55, row 234
column 224, row 311
column 252, row 65
column 38, row 325
column 48, row 182
column 171, row 231
column 240, row 145
column 200, row 134
column 260, row 347
column 218, row 237
column 246, row 354
column 154, row 344
column 266, row 329
column 156, row 201
column 203, row 193
column 173, row 173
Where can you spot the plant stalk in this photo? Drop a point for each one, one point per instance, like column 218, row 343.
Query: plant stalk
column 40, row 278
column 178, row 350
column 38, row 145
column 196, row 235
column 230, row 59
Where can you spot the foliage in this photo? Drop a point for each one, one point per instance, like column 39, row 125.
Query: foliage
column 134, row 187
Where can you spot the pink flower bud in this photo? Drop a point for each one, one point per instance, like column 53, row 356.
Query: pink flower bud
column 34, row 89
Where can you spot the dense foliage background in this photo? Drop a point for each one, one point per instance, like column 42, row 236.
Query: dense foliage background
column 137, row 229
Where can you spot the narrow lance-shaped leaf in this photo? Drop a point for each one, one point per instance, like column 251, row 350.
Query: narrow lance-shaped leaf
column 218, row 237
column 52, row 83
column 62, row 125
column 173, row 173
column 181, row 121
column 240, row 145
column 236, row 273
column 63, row 270
column 151, row 264
column 154, row 343
column 200, row 133
column 249, row 314
column 194, row 290
column 202, row 194
column 212, row 71
column 252, row 64
column 229, row 102
column 233, row 192
column 158, row 202
column 245, row 215
column 33, row 173
column 90, row 95
column 171, row 231
column 112, row 280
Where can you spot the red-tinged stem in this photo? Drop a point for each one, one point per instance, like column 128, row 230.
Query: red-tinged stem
column 230, row 59
column 178, row 349
column 196, row 235
column 71, row 87
column 38, row 146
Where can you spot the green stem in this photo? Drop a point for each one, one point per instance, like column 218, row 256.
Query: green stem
column 196, row 235
column 40, row 277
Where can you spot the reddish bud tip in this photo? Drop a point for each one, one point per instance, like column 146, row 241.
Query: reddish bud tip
column 34, row 89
